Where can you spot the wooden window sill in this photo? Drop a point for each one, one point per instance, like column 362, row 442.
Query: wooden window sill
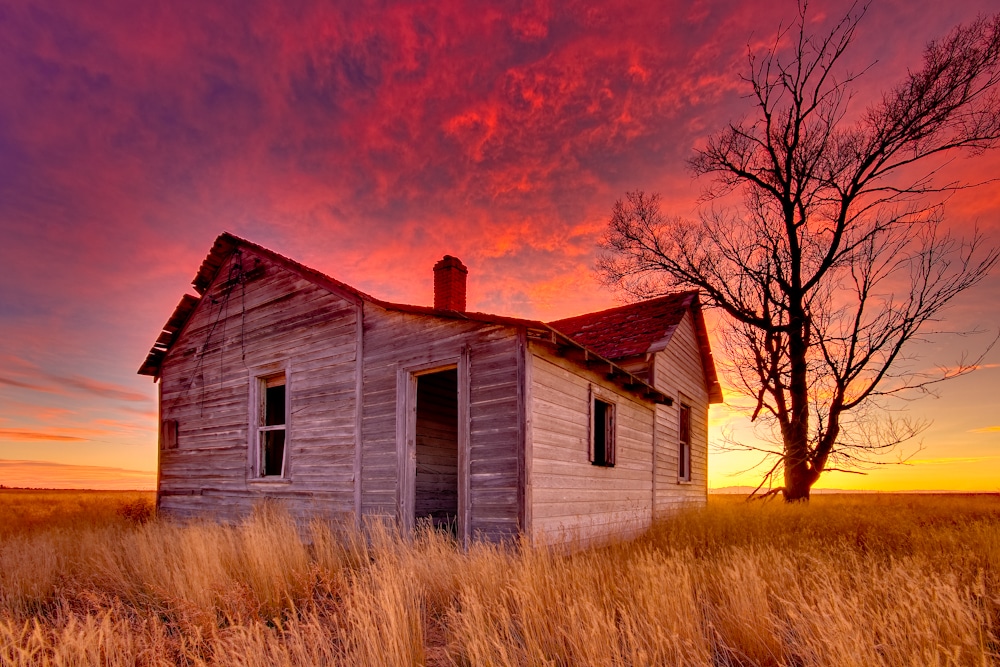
column 266, row 481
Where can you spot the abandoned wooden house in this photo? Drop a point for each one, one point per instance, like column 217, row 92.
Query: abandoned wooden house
column 277, row 381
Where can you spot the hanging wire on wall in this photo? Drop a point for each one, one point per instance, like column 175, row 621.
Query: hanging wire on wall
column 236, row 276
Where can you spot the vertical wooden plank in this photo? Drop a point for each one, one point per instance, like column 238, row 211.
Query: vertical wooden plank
column 590, row 423
column 287, row 462
column 159, row 450
column 525, row 437
column 359, row 394
column 410, row 468
column 464, row 446
column 402, row 386
column 253, row 401
column 652, row 460
column 519, row 353
column 610, row 434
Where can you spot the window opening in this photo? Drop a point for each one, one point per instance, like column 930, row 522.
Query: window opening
column 684, row 444
column 271, row 427
column 603, row 434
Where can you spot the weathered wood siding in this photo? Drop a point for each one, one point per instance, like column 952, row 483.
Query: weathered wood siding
column 571, row 499
column 276, row 318
column 677, row 372
column 395, row 341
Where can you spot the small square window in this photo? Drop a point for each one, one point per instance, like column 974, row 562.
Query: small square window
column 272, row 420
column 684, row 444
column 602, row 433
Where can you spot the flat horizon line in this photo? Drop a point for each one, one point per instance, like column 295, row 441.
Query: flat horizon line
column 737, row 490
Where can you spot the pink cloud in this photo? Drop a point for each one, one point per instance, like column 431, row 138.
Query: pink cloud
column 22, row 374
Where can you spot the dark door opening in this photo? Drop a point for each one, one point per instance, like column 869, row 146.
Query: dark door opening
column 436, row 483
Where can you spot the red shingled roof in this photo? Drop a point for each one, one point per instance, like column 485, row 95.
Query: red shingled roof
column 643, row 328
column 632, row 330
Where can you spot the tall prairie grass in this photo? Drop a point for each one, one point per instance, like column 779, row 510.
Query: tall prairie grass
column 852, row 580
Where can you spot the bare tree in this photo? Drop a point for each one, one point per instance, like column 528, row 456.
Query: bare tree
column 833, row 259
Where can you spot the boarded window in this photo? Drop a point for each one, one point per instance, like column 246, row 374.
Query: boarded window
column 271, row 426
column 168, row 434
column 602, row 433
column 684, row 444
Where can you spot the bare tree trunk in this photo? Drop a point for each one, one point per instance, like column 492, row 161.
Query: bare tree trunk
column 799, row 476
column 797, row 484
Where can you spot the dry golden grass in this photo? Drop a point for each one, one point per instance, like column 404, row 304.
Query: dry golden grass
column 851, row 580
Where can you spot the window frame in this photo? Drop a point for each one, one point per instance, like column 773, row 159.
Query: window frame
column 406, row 424
column 683, row 442
column 260, row 378
column 610, row 429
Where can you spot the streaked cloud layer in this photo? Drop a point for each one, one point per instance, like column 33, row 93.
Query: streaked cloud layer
column 364, row 139
column 46, row 474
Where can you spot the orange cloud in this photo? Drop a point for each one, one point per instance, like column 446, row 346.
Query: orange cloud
column 50, row 475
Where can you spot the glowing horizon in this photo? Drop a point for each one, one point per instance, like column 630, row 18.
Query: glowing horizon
column 367, row 143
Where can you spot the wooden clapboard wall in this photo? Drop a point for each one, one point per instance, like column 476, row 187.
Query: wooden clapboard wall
column 276, row 318
column 678, row 372
column 571, row 499
column 395, row 340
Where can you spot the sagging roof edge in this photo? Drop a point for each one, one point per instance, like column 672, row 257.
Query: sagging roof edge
column 705, row 349
column 168, row 334
column 689, row 302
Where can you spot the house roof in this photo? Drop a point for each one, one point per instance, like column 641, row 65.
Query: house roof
column 643, row 328
column 227, row 243
column 629, row 331
column 558, row 333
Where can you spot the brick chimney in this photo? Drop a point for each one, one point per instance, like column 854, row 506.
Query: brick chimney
column 449, row 284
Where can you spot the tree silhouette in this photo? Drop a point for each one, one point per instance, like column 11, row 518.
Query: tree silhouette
column 834, row 259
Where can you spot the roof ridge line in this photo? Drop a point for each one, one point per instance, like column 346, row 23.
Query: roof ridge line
column 653, row 300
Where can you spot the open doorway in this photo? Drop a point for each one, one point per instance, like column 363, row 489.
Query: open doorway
column 436, row 479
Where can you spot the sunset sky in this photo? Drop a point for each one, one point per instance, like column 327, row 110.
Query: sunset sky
column 367, row 140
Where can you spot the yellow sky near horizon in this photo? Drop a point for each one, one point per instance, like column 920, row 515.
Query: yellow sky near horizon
column 960, row 453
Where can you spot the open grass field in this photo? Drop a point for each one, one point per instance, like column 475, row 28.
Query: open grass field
column 86, row 579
